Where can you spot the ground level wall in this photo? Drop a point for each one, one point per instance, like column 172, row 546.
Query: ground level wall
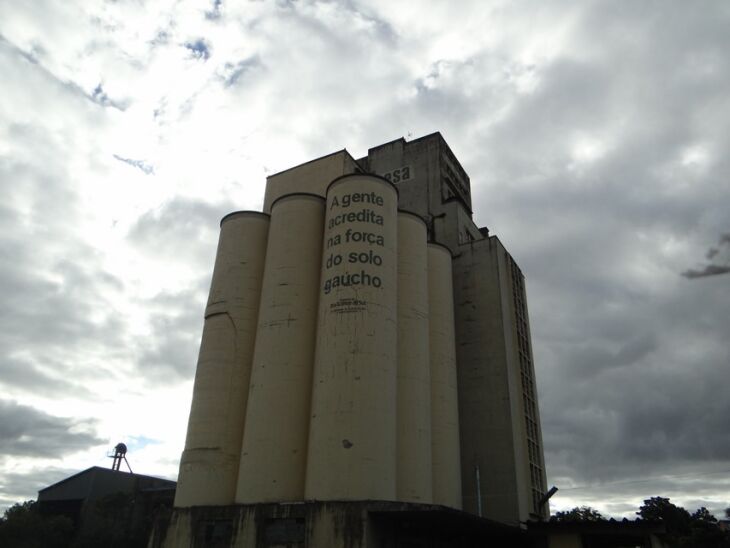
column 358, row 524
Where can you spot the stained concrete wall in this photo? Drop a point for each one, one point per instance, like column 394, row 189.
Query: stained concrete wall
column 361, row 524
column 432, row 184
column 523, row 363
column 312, row 177
column 209, row 463
column 491, row 421
column 414, row 474
column 352, row 430
column 454, row 226
column 444, row 394
column 321, row 525
column 274, row 450
column 414, row 172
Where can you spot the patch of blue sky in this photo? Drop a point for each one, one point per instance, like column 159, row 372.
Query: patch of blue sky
column 198, row 49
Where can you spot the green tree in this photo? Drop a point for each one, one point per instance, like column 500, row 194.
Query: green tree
column 579, row 513
column 23, row 526
column 109, row 524
column 676, row 519
column 703, row 515
column 684, row 530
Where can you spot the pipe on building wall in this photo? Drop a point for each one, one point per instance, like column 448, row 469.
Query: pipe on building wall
column 352, row 433
column 414, row 481
column 444, row 397
column 209, row 463
column 274, row 450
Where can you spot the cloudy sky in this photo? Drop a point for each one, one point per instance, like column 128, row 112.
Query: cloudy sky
column 595, row 134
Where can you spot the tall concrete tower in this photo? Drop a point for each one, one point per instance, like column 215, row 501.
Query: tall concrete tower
column 366, row 353
column 502, row 462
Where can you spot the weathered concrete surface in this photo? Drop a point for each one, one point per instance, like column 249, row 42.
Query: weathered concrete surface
column 414, row 482
column 355, row 524
column 313, row 177
column 495, row 378
column 209, row 463
column 274, row 450
column 352, row 429
column 444, row 393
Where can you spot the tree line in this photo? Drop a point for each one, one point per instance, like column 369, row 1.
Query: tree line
column 699, row 529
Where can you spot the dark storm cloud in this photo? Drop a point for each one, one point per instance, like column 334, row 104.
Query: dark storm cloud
column 659, row 412
column 143, row 166
column 47, row 380
column 28, row 432
column 715, row 254
column 630, row 377
column 18, row 487
column 586, row 180
column 587, row 360
column 709, row 270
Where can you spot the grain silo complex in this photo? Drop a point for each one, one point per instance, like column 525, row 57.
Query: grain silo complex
column 365, row 375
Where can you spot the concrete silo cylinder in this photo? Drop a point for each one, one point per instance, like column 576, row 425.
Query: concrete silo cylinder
column 414, row 468
column 274, row 450
column 444, row 399
column 209, row 463
column 352, row 433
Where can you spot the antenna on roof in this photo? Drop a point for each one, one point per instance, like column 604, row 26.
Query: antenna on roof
column 119, row 454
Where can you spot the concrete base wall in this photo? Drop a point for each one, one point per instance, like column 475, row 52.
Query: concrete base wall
column 356, row 524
